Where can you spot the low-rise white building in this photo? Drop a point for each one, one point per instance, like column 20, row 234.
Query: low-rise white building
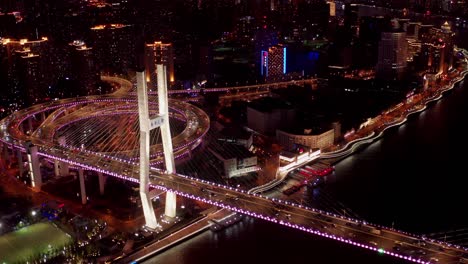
column 309, row 139
column 236, row 159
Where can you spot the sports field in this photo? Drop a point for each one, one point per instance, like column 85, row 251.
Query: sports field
column 30, row 241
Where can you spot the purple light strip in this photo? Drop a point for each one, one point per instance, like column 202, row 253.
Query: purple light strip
column 240, row 210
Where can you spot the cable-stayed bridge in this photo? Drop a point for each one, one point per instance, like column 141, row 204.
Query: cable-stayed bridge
column 100, row 133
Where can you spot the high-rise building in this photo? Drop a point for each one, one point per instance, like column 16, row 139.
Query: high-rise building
column 8, row 25
column 393, row 49
column 351, row 19
column 245, row 28
column 370, row 30
column 273, row 62
column 11, row 5
column 332, row 5
column 267, row 114
column 159, row 53
column 437, row 49
column 30, row 76
column 114, row 47
column 83, row 68
column 27, row 67
column 447, row 35
column 310, row 20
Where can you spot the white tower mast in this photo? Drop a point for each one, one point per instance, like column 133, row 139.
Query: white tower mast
column 146, row 125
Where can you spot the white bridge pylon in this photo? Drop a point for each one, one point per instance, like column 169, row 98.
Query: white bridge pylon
column 146, row 125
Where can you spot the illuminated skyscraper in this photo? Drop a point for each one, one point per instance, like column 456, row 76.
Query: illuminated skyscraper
column 393, row 49
column 158, row 53
column 273, row 62
column 83, row 68
column 351, row 19
column 31, row 76
column 27, row 65
column 245, row 28
column 437, row 50
column 447, row 35
column 114, row 47
column 332, row 5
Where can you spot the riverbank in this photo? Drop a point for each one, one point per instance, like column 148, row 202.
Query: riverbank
column 393, row 117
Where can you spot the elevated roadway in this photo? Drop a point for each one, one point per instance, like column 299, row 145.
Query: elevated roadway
column 380, row 239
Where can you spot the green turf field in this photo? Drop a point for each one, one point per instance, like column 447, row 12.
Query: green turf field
column 30, row 241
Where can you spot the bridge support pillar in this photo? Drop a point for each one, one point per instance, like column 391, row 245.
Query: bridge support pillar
column 56, row 168
column 102, row 182
column 5, row 153
column 34, row 171
column 82, row 185
column 143, row 111
column 20, row 162
column 43, row 117
column 171, row 198
column 64, row 167
column 30, row 125
column 171, row 205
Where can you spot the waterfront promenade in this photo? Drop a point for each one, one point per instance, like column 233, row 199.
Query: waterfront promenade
column 394, row 116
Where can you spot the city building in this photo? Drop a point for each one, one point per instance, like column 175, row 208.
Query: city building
column 370, row 31
column 158, row 53
column 447, row 35
column 306, row 60
column 332, row 5
column 273, row 62
column 245, row 28
column 83, row 68
column 308, row 138
column 114, row 47
column 310, row 20
column 264, row 38
column 236, row 135
column 27, row 67
column 392, row 56
column 351, row 19
column 30, row 76
column 268, row 114
column 411, row 29
column 8, row 25
column 437, row 53
column 236, row 160
column 421, row 30
column 433, row 51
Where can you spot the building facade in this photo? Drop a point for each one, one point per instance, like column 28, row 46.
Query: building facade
column 83, row 68
column 313, row 141
column 159, row 53
column 392, row 56
column 268, row 114
column 26, row 64
column 237, row 161
column 114, row 47
column 273, row 62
